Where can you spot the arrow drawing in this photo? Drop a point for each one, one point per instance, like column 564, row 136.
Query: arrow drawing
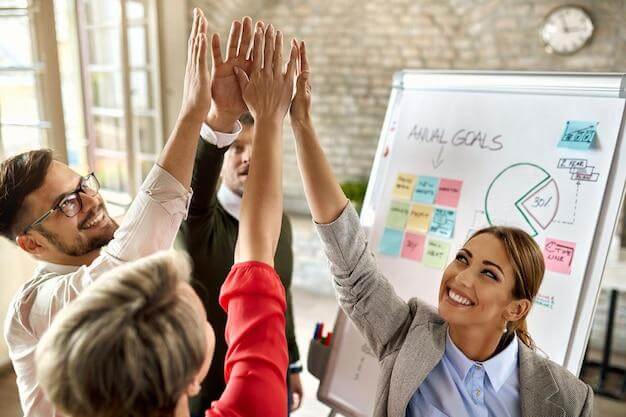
column 437, row 163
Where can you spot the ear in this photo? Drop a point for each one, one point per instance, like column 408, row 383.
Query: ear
column 30, row 244
column 517, row 309
column 193, row 388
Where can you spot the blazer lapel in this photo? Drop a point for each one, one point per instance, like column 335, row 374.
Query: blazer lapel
column 420, row 353
column 537, row 386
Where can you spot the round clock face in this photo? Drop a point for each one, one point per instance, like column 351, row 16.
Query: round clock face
column 566, row 30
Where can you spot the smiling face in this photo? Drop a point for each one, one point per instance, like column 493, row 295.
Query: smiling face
column 237, row 161
column 477, row 287
column 60, row 238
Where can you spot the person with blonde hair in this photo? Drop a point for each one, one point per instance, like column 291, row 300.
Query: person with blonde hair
column 473, row 356
column 137, row 343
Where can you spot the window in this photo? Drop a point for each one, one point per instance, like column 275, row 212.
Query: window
column 31, row 113
column 122, row 96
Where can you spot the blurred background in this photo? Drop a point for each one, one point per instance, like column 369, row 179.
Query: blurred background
column 100, row 82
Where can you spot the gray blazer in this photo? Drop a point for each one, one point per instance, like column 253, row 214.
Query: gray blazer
column 409, row 338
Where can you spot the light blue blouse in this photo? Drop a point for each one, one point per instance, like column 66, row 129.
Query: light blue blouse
column 460, row 387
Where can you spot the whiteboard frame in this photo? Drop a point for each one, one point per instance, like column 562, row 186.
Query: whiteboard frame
column 558, row 83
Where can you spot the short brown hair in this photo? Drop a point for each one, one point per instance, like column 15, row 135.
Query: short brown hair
column 128, row 346
column 528, row 268
column 20, row 176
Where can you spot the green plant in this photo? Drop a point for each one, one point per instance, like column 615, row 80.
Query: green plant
column 355, row 191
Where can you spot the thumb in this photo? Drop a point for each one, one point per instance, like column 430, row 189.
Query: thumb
column 242, row 78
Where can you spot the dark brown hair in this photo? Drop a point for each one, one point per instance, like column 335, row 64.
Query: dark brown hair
column 19, row 176
column 528, row 268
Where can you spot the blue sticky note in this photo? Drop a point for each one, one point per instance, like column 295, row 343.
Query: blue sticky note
column 426, row 189
column 578, row 134
column 443, row 222
column 391, row 242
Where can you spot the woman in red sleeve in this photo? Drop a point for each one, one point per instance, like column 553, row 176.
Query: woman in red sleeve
column 137, row 342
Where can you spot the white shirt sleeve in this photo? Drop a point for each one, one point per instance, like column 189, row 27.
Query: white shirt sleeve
column 219, row 139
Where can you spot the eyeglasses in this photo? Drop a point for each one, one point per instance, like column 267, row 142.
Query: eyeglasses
column 71, row 204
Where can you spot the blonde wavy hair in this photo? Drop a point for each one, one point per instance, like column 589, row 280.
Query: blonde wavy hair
column 128, row 346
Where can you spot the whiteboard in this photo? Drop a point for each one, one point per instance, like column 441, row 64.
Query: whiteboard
column 493, row 141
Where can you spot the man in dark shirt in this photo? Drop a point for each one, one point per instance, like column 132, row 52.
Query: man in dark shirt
column 210, row 231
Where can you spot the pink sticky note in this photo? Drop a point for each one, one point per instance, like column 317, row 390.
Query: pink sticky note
column 558, row 255
column 413, row 246
column 449, row 192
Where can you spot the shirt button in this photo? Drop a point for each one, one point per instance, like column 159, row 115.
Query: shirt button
column 477, row 393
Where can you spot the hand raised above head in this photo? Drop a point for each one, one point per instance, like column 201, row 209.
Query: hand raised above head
column 197, row 86
column 267, row 91
column 228, row 104
column 300, row 110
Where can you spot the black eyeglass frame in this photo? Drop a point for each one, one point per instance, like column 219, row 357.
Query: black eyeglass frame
column 76, row 193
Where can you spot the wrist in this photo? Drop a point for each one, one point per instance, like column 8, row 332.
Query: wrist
column 302, row 125
column 223, row 122
column 269, row 121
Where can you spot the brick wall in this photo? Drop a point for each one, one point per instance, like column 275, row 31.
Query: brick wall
column 356, row 46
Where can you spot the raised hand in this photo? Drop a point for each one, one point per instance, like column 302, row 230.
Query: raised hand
column 267, row 91
column 197, row 86
column 301, row 104
column 228, row 104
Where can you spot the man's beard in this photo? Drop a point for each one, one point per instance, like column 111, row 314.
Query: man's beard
column 80, row 246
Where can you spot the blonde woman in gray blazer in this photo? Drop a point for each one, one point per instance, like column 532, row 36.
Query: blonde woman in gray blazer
column 470, row 357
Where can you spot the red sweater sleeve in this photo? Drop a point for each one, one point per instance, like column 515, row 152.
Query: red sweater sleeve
column 256, row 361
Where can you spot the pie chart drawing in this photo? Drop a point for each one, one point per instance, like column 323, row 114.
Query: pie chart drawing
column 523, row 195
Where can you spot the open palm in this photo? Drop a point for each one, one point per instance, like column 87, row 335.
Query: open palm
column 225, row 87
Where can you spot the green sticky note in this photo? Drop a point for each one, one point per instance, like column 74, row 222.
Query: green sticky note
column 436, row 254
column 578, row 134
column 398, row 213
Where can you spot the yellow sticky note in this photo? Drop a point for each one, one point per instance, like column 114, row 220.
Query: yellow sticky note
column 403, row 187
column 419, row 218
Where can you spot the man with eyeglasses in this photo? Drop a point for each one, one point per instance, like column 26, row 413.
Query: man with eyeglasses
column 60, row 219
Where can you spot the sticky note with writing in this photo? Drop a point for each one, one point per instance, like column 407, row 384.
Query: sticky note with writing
column 578, row 134
column 419, row 218
column 413, row 246
column 558, row 255
column 391, row 242
column 443, row 222
column 436, row 254
column 398, row 212
column 425, row 189
column 449, row 192
column 404, row 185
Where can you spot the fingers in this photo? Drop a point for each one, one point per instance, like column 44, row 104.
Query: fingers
column 269, row 48
column 246, row 38
column 292, row 65
column 233, row 40
column 216, row 51
column 242, row 78
column 194, row 29
column 304, row 61
column 278, row 54
column 202, row 54
column 257, row 48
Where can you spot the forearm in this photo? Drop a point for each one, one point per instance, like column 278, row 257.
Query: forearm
column 177, row 156
column 324, row 195
column 262, row 204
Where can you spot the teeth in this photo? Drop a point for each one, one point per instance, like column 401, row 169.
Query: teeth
column 95, row 221
column 459, row 298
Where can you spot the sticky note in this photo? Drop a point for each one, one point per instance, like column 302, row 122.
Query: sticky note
column 449, row 192
column 404, row 185
column 391, row 242
column 413, row 246
column 443, row 222
column 436, row 254
column 558, row 255
column 398, row 213
column 419, row 218
column 578, row 134
column 425, row 190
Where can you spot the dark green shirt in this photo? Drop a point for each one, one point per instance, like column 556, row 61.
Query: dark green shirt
column 209, row 235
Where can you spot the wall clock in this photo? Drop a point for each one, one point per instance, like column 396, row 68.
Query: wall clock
column 566, row 30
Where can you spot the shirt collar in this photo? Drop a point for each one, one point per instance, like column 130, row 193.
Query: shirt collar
column 498, row 368
column 49, row 267
column 230, row 200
